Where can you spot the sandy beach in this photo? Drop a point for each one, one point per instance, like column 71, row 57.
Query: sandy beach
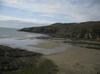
column 77, row 60
column 74, row 59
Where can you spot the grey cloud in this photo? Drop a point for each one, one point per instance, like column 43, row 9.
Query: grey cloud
column 79, row 10
column 84, row 10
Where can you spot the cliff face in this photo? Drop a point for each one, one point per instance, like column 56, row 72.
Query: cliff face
column 84, row 30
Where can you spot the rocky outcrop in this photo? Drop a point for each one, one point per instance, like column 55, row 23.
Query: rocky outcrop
column 18, row 61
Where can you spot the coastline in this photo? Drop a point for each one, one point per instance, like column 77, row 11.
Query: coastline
column 72, row 60
column 66, row 55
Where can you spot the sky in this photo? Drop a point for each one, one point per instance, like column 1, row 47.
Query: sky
column 50, row 11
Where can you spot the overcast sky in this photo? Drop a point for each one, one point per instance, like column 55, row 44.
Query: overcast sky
column 49, row 11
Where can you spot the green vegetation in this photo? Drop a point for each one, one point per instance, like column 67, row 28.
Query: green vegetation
column 18, row 61
column 85, row 30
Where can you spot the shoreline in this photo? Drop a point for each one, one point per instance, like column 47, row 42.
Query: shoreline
column 72, row 58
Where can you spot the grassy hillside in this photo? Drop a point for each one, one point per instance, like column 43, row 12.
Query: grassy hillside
column 85, row 30
column 17, row 61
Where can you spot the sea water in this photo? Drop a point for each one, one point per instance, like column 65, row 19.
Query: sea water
column 24, row 40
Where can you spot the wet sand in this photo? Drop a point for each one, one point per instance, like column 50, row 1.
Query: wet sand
column 49, row 44
column 77, row 60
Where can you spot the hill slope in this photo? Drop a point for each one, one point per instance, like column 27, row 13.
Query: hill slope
column 84, row 30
